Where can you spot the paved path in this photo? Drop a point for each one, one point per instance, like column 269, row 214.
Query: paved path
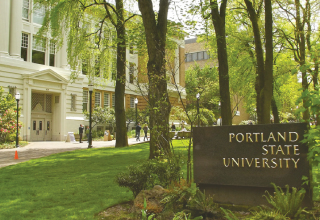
column 46, row 148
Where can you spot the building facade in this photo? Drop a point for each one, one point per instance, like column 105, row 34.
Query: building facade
column 51, row 103
column 197, row 53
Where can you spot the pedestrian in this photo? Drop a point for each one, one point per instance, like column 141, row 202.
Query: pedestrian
column 81, row 132
column 145, row 129
column 173, row 127
column 138, row 129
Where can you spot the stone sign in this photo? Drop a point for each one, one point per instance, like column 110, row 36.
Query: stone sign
column 250, row 156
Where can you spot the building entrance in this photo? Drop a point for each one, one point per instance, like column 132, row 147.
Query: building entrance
column 41, row 129
column 41, row 117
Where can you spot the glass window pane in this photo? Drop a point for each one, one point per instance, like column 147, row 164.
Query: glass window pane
column 106, row 100
column 97, row 99
column 40, row 125
column 48, row 125
column 189, row 57
column 194, row 56
column 34, row 127
column 24, row 46
column 200, row 55
column 38, row 14
column 25, row 10
column 38, row 51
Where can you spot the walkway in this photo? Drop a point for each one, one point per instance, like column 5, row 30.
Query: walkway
column 46, row 148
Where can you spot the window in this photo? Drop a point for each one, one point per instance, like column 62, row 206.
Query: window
column 24, row 46
column 40, row 125
column 202, row 55
column 132, row 102
column 38, row 50
column 25, row 10
column 194, row 56
column 34, row 125
column 85, row 101
column 38, row 14
column 12, row 91
column 189, row 57
column 73, row 102
column 106, row 100
column 113, row 100
column 52, row 54
column 97, row 99
column 131, row 72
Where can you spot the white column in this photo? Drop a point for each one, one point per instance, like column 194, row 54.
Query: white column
column 63, row 109
column 4, row 27
column 15, row 28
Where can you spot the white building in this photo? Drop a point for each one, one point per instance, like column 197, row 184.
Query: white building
column 51, row 104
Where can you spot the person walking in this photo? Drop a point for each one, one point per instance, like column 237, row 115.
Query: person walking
column 138, row 129
column 173, row 127
column 81, row 132
column 145, row 129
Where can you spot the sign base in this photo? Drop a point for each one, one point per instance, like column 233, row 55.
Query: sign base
column 244, row 195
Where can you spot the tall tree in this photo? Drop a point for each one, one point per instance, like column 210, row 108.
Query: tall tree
column 85, row 25
column 298, row 16
column 155, row 31
column 264, row 78
column 219, row 22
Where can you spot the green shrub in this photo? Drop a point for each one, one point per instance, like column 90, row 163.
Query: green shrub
column 288, row 203
column 148, row 174
column 203, row 205
column 179, row 195
column 183, row 216
column 229, row 214
column 268, row 215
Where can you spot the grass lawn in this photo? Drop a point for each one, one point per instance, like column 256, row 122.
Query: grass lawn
column 70, row 185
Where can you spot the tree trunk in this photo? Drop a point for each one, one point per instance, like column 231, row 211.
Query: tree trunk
column 120, row 114
column 156, row 31
column 300, row 39
column 218, row 20
column 268, row 73
column 264, row 69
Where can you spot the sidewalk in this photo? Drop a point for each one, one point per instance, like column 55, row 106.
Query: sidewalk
column 46, row 148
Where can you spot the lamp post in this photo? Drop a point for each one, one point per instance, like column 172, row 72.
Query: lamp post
column 90, row 119
column 220, row 121
column 198, row 98
column 17, row 136
column 136, row 103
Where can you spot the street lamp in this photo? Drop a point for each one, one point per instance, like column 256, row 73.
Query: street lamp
column 136, row 103
column 198, row 98
column 17, row 136
column 219, row 107
column 90, row 112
